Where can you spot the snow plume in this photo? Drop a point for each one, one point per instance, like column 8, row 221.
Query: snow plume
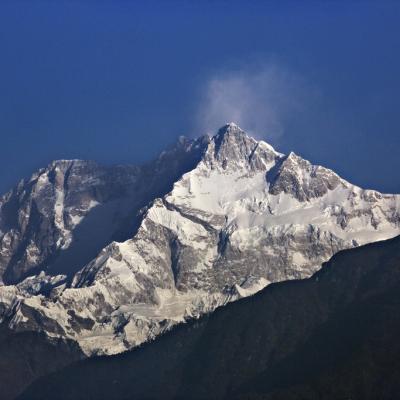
column 258, row 100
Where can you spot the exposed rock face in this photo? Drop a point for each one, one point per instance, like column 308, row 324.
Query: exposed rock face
column 239, row 216
column 290, row 178
column 39, row 216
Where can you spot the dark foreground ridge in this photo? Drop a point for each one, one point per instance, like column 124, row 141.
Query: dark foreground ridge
column 25, row 356
column 333, row 336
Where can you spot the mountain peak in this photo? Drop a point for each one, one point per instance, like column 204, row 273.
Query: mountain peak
column 230, row 129
column 231, row 135
column 233, row 148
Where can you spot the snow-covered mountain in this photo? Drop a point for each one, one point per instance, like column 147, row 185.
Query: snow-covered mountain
column 210, row 221
column 61, row 217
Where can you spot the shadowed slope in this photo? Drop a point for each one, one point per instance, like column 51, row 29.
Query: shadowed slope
column 60, row 219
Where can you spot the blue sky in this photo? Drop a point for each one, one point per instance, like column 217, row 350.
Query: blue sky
column 117, row 81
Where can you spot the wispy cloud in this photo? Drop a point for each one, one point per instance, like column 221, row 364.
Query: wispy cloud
column 259, row 100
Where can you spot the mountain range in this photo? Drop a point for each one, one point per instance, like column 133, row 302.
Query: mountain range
column 99, row 260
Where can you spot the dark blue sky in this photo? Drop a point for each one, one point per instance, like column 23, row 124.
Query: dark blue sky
column 117, row 81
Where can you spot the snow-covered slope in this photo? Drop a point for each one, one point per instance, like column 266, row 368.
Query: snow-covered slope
column 242, row 217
